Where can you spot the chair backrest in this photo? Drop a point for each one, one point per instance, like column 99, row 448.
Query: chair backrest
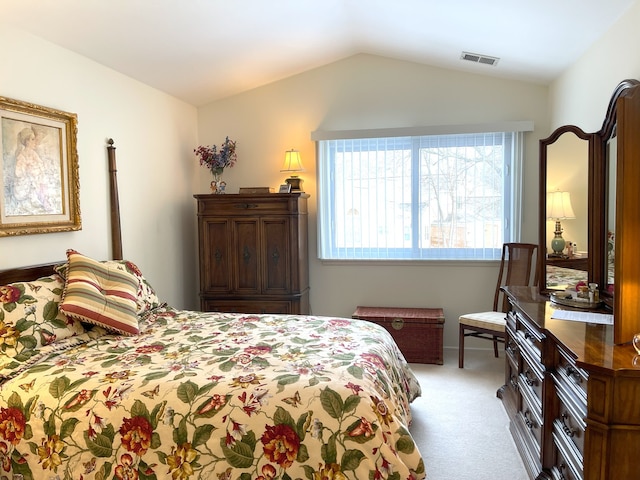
column 518, row 267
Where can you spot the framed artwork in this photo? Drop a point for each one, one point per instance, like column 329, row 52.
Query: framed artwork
column 285, row 188
column 39, row 184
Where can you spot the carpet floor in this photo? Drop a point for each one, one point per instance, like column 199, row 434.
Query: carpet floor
column 460, row 426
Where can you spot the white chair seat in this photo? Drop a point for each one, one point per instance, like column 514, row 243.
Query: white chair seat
column 495, row 321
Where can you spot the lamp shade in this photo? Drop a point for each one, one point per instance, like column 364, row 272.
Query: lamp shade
column 559, row 206
column 292, row 162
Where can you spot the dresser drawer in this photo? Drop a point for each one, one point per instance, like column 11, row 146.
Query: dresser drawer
column 562, row 471
column 568, row 462
column 529, row 339
column 531, row 377
column 511, row 346
column 572, row 411
column 531, row 418
column 574, row 377
column 510, row 394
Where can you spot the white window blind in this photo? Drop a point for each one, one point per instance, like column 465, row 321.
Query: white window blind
column 419, row 197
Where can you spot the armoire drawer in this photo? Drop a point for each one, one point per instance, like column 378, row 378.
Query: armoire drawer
column 250, row 306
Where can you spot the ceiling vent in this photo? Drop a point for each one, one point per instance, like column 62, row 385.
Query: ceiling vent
column 477, row 58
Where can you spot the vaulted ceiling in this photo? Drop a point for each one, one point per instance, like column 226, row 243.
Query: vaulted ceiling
column 204, row 50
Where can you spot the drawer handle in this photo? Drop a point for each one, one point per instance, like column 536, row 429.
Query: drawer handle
column 573, row 372
column 511, row 347
column 397, row 323
column 246, row 206
column 566, row 428
column 246, row 254
column 531, row 382
column 527, row 420
column 514, row 382
column 562, row 468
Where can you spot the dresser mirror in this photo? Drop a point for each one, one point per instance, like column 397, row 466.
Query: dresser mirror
column 564, row 207
column 605, row 166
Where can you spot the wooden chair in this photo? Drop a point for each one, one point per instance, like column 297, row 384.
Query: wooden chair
column 518, row 266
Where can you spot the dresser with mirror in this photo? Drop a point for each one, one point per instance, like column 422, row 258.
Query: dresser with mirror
column 572, row 388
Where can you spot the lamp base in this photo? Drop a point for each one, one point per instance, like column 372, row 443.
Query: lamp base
column 557, row 245
column 557, row 242
column 295, row 182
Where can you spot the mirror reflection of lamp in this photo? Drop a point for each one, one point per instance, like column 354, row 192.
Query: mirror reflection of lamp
column 293, row 164
column 559, row 208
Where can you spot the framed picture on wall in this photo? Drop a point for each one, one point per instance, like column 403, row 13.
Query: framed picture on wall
column 39, row 184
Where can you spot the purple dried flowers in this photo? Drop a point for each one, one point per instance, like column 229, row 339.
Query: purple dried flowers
column 216, row 159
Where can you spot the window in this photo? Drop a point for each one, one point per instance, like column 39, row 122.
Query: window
column 454, row 196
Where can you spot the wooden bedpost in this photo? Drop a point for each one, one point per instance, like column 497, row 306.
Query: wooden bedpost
column 116, row 233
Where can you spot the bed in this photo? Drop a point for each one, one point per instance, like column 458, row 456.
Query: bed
column 561, row 278
column 101, row 379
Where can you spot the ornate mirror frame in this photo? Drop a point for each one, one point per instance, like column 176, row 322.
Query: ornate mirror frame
column 549, row 161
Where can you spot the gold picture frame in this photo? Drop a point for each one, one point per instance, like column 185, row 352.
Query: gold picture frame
column 39, row 183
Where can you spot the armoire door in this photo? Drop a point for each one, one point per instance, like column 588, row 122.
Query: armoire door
column 277, row 267
column 246, row 245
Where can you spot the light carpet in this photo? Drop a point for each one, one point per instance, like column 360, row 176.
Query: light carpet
column 460, row 426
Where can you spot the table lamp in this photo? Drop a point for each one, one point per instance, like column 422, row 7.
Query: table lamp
column 559, row 208
column 293, row 163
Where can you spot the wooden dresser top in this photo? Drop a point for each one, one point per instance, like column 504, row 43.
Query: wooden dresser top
column 592, row 344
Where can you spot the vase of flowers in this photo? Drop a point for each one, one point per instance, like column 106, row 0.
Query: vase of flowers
column 216, row 160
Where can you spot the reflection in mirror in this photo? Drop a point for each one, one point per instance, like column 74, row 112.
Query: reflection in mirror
column 567, row 176
column 610, row 212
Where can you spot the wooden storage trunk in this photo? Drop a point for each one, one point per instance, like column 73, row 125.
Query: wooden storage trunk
column 417, row 331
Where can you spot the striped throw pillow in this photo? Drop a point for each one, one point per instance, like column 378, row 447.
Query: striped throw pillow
column 100, row 294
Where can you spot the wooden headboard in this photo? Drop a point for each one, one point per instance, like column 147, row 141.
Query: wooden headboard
column 32, row 272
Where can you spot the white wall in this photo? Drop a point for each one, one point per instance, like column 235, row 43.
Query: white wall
column 154, row 136
column 580, row 96
column 361, row 92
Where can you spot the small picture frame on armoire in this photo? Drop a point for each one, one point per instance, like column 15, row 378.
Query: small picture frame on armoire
column 285, row 188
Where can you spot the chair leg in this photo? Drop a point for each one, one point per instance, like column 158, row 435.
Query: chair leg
column 461, row 347
column 495, row 346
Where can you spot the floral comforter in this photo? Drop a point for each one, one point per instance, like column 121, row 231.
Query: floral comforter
column 215, row 396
